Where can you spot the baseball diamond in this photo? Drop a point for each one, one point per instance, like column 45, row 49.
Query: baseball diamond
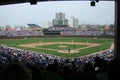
column 64, row 47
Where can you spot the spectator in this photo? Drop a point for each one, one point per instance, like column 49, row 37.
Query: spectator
column 36, row 72
column 56, row 67
column 15, row 72
column 51, row 74
column 114, row 69
column 101, row 68
column 89, row 72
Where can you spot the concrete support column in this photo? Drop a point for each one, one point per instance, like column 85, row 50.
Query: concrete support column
column 117, row 29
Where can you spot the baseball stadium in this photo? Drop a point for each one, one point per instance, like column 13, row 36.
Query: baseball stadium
column 65, row 49
column 61, row 39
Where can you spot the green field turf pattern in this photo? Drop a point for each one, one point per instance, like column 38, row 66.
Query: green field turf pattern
column 106, row 43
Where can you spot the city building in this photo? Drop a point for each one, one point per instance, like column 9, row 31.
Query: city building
column 83, row 26
column 9, row 28
column 107, row 27
column 74, row 22
column 49, row 24
column 60, row 20
column 20, row 27
column 2, row 28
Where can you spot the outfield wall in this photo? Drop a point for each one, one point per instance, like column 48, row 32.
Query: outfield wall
column 49, row 36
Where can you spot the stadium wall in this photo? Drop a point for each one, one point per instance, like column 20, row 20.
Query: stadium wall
column 49, row 36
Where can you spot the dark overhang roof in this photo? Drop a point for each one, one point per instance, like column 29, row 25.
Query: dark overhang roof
column 6, row 2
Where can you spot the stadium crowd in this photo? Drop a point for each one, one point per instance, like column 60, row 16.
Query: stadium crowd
column 64, row 31
column 87, row 32
column 18, row 64
column 16, row 33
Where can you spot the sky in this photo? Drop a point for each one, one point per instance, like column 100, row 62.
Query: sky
column 40, row 14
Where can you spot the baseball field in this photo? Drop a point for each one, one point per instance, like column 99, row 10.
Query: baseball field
column 64, row 47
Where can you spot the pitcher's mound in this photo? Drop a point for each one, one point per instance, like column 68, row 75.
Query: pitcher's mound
column 62, row 46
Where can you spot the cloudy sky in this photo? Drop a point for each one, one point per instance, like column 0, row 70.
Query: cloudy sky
column 22, row 14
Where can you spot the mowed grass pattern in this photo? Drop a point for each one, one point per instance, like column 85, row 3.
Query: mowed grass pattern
column 59, row 46
column 105, row 44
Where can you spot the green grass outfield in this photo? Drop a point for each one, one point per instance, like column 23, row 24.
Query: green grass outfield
column 105, row 44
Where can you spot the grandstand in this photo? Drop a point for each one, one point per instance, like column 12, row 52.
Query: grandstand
column 34, row 27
